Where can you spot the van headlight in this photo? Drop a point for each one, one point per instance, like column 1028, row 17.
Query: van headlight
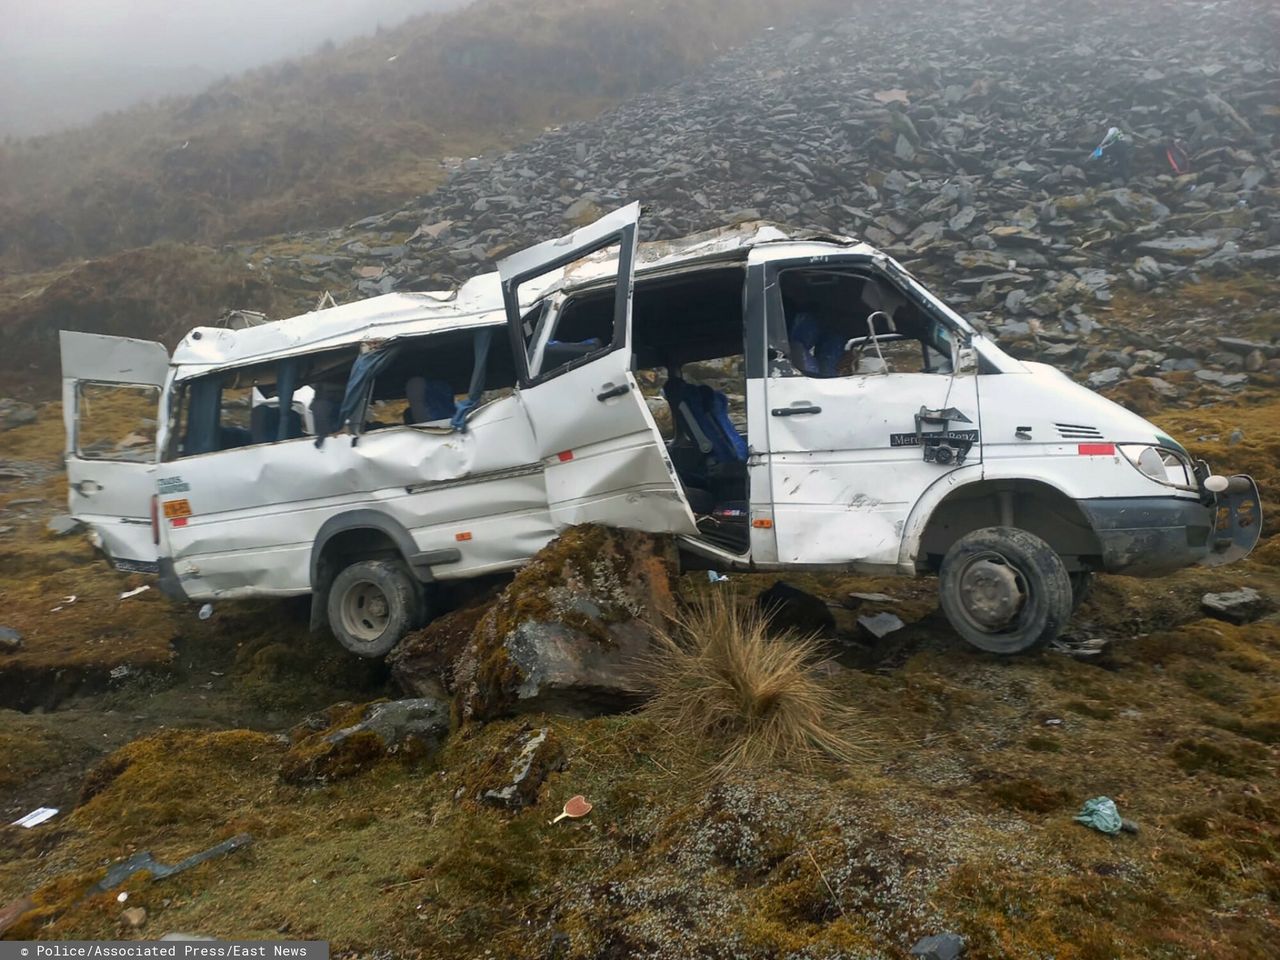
column 1159, row 464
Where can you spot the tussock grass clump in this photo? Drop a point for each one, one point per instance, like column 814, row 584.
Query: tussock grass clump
column 721, row 680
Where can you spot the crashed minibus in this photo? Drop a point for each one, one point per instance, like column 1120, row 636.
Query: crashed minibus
column 820, row 410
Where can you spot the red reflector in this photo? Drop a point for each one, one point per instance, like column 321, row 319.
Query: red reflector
column 763, row 523
column 565, row 456
column 462, row 537
column 1097, row 449
column 178, row 521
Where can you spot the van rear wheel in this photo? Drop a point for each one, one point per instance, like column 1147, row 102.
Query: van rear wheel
column 1005, row 590
column 372, row 605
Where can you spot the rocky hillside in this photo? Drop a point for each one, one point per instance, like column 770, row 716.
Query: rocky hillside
column 962, row 145
column 354, row 128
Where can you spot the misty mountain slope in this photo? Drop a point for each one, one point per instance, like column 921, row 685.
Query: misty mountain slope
column 362, row 126
column 958, row 139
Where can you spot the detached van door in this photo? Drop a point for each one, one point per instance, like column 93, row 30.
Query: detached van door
column 604, row 458
column 110, row 401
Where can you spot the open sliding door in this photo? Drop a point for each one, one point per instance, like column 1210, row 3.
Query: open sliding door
column 605, row 460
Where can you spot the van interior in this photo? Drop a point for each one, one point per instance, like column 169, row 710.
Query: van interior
column 687, row 352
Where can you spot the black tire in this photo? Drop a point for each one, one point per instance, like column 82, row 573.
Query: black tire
column 1004, row 590
column 1081, row 587
column 372, row 605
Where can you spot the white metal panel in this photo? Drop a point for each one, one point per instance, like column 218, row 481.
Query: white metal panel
column 95, row 356
column 841, row 491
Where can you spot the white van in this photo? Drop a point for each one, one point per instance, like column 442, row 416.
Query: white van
column 823, row 411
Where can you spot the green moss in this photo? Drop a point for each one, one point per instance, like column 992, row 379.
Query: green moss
column 1043, row 744
column 1030, row 795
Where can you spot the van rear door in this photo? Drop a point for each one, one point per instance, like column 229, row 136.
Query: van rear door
column 604, row 458
column 110, row 401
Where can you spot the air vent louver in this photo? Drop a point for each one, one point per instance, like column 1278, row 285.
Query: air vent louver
column 1078, row 431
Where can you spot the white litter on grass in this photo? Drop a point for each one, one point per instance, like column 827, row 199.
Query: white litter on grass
column 64, row 602
column 122, row 896
column 36, row 817
column 134, row 592
column 206, row 611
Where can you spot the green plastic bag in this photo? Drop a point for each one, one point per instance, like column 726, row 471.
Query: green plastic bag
column 1101, row 814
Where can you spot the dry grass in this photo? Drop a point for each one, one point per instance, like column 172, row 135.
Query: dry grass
column 723, row 680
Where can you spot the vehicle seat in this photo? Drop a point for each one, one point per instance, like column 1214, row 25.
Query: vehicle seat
column 701, row 415
column 325, row 415
column 429, row 400
column 264, row 424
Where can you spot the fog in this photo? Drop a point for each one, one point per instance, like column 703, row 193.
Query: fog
column 62, row 62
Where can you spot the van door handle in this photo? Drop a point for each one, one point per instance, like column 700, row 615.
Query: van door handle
column 796, row 410
column 612, row 392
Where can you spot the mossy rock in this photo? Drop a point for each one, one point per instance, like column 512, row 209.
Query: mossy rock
column 347, row 739
column 515, row 774
column 422, row 664
column 564, row 636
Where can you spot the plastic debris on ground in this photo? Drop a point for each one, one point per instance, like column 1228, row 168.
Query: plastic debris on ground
column 574, row 807
column 134, row 592
column 36, row 817
column 206, row 611
column 881, row 625
column 716, row 577
column 122, row 871
column 873, row 597
column 1101, row 814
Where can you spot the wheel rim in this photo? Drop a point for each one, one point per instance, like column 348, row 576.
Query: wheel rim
column 366, row 611
column 993, row 593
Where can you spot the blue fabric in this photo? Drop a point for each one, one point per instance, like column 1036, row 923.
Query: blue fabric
column 483, row 338
column 437, row 396
column 710, row 411
column 363, row 372
column 820, row 350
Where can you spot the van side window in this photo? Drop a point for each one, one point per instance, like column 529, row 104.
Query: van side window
column 116, row 421
column 243, row 407
column 429, row 380
column 843, row 323
column 561, row 332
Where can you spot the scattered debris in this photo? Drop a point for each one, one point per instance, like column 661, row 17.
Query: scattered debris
column 871, row 598
column 880, row 625
column 1080, row 649
column 939, row 946
column 143, row 860
column 61, row 525
column 10, row 640
column 205, row 612
column 716, row 577
column 1101, row 814
column 36, row 817
column 575, row 807
column 1238, row 606
column 790, row 608
column 64, row 602
column 134, row 592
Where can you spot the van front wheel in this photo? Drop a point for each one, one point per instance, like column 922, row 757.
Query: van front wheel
column 1005, row 590
column 372, row 605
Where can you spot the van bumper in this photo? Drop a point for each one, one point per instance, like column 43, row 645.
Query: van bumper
column 169, row 583
column 1150, row 536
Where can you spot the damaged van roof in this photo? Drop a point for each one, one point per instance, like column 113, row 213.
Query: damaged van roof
column 476, row 303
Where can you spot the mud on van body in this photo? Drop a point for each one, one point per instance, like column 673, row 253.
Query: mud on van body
column 823, row 410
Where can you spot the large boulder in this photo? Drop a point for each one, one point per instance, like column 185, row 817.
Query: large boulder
column 422, row 663
column 564, row 636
